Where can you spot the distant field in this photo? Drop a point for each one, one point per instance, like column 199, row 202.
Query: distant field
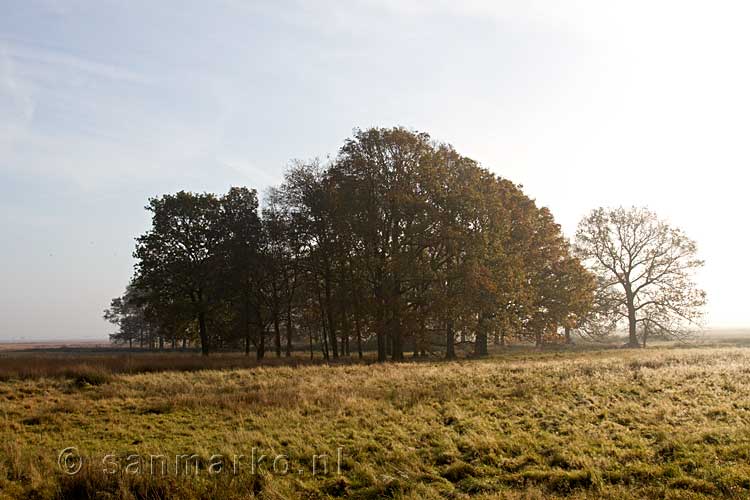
column 728, row 333
column 54, row 344
column 667, row 422
column 711, row 335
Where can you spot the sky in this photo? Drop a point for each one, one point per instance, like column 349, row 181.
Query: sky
column 104, row 104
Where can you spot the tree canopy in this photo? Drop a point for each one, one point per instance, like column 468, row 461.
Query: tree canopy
column 399, row 244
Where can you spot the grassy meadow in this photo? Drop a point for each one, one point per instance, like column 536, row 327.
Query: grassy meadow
column 665, row 422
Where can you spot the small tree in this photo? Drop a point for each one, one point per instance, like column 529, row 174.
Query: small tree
column 645, row 271
column 129, row 317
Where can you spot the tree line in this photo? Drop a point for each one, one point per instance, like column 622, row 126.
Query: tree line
column 398, row 244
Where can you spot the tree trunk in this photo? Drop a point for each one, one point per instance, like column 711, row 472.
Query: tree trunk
column 450, row 348
column 260, row 332
column 324, row 329
column 632, row 331
column 324, row 338
column 397, row 346
column 359, row 335
column 632, row 322
column 324, row 342
column 203, row 333
column 419, row 339
column 380, row 325
column 329, row 316
column 480, row 345
column 397, row 352
column 568, row 338
column 310, row 332
column 248, row 323
column 333, row 344
column 346, row 332
column 289, row 331
column 260, row 347
column 381, row 346
column 277, row 333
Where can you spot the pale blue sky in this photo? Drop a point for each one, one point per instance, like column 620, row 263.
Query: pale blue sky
column 103, row 104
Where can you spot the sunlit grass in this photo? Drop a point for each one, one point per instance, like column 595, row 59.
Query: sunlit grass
column 660, row 423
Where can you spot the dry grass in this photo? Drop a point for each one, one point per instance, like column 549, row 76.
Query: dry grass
column 660, row 423
column 74, row 363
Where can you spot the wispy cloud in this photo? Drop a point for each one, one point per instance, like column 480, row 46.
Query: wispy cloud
column 55, row 61
column 16, row 104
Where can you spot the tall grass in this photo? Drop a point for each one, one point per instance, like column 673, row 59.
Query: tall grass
column 625, row 424
column 25, row 366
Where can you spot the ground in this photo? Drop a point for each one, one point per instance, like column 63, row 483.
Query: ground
column 665, row 422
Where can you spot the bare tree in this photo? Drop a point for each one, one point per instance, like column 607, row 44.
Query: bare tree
column 645, row 269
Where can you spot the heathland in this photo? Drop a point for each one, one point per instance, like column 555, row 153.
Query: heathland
column 664, row 422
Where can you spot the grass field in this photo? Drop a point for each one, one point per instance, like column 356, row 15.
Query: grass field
column 666, row 422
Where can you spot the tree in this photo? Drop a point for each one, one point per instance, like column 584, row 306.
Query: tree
column 282, row 249
column 240, row 264
column 645, row 271
column 177, row 258
column 306, row 201
column 575, row 291
column 382, row 177
column 130, row 318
